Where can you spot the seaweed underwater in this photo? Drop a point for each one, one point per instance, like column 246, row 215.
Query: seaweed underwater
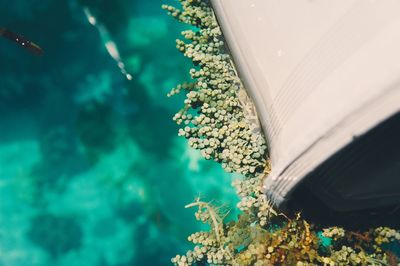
column 216, row 121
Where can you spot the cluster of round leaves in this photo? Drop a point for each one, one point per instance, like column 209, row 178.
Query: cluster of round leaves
column 361, row 248
column 252, row 199
column 386, row 235
column 212, row 117
column 213, row 120
column 279, row 240
column 334, row 233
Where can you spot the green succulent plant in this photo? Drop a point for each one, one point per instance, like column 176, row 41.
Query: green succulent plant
column 213, row 118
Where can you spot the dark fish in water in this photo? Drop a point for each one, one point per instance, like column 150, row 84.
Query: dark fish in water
column 30, row 46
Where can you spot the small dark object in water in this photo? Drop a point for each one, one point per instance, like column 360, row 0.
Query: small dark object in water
column 32, row 47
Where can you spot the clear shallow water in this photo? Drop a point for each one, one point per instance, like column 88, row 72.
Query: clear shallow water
column 91, row 169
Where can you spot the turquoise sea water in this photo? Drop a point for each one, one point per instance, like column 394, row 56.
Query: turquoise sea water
column 92, row 171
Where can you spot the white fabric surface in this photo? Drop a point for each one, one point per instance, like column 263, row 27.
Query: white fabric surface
column 320, row 73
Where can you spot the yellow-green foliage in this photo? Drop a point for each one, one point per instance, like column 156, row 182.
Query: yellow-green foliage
column 212, row 117
column 214, row 121
column 263, row 236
